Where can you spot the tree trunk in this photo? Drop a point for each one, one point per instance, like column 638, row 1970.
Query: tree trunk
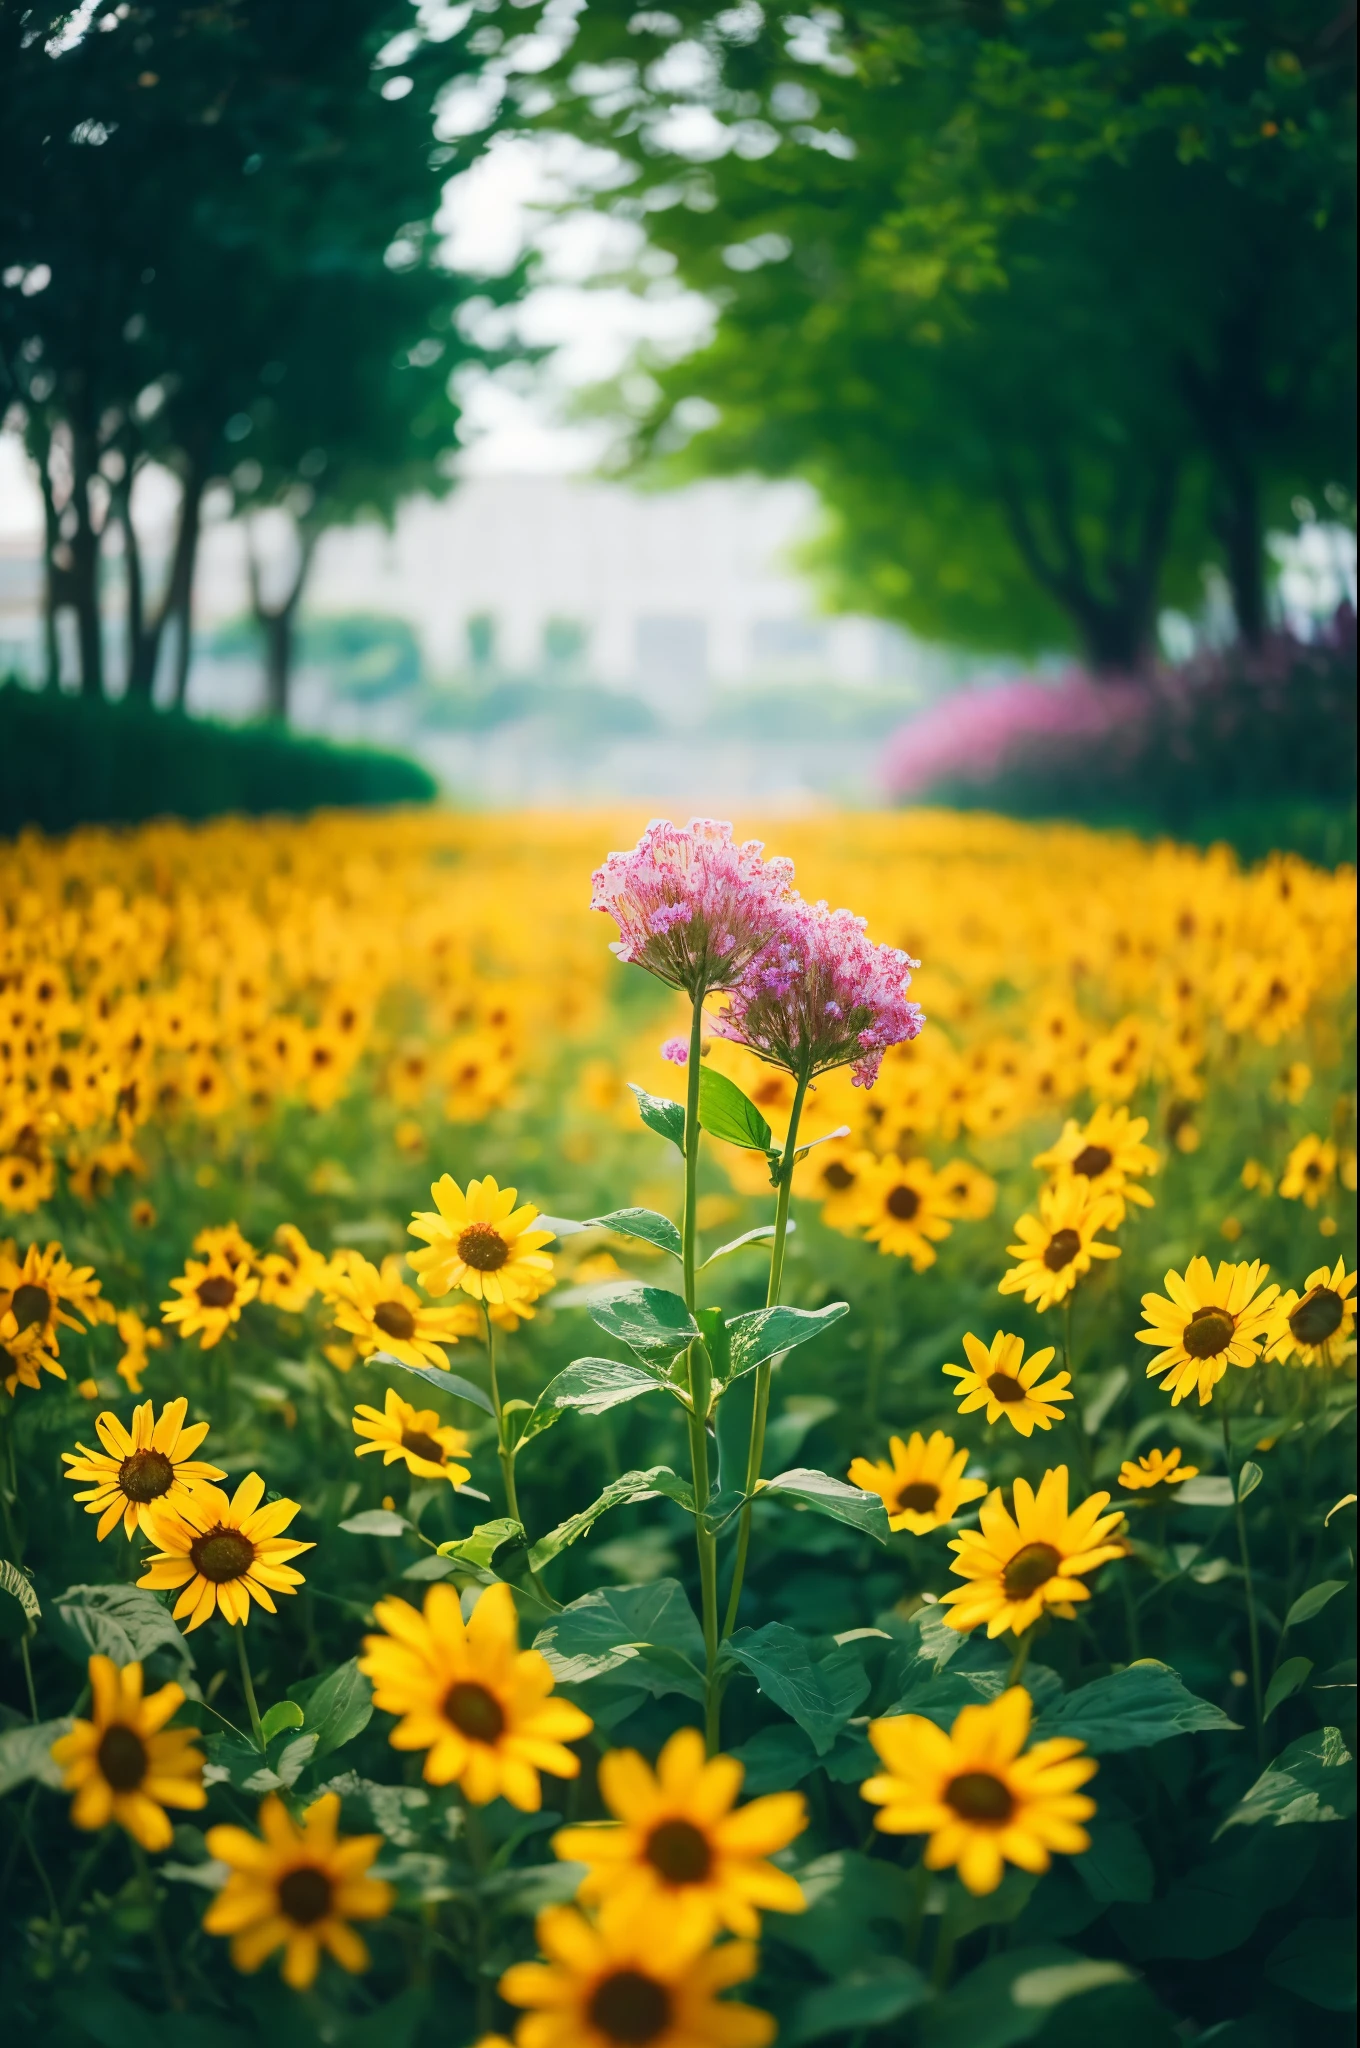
column 276, row 623
column 176, row 604
column 85, row 564
column 1230, row 406
column 1237, row 522
column 55, row 576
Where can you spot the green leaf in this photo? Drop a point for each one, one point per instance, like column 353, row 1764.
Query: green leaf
column 1248, row 1479
column 1316, row 1961
column 283, row 1714
column 873, row 1995
column 448, row 1382
column 340, row 1708
column 1213, row 1908
column 762, row 1234
column 593, row 1385
column 481, row 1546
column 651, row 1321
column 775, row 1759
column 630, row 1486
column 820, row 1695
column 26, row 1752
column 1291, row 1675
column 376, row 1522
column 855, row 1908
column 831, row 1497
column 127, row 1623
column 764, row 1332
column 1210, row 1492
column 606, row 1630
column 647, row 1224
column 726, row 1112
column 1313, row 1601
column 1116, row 1867
column 1312, row 1780
column 659, row 1114
column 20, row 1586
column 1011, row 1997
column 1130, row 1709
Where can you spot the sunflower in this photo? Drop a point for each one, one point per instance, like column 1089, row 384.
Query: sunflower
column 297, row 1890
column 1108, row 1154
column 142, row 1470
column 981, row 1796
column 923, row 1487
column 22, row 1363
column 228, row 1241
column 125, row 1764
column 1211, row 1321
column 212, row 1293
column 832, row 1175
column 137, row 1341
column 1156, row 1468
column 471, row 1697
column 290, row 1275
column 1004, row 1382
column 479, row 1241
column 679, row 1849
column 1058, row 1245
column 646, row 1984
column 413, row 1436
column 381, row 1313
column 1309, row 1171
column 44, row 1294
column 1313, row 1327
column 900, row 1209
column 224, row 1553
column 966, row 1191
column 1019, row 1566
column 25, row 1184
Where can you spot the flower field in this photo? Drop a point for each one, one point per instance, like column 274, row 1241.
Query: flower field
column 793, row 1479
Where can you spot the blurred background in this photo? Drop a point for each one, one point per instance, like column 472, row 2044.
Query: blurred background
column 551, row 403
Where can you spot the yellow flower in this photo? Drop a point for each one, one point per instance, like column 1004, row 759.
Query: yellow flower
column 297, row 1890
column 965, row 1191
column 1313, row 1327
column 1309, row 1171
column 649, row 1984
column 1107, row 1153
column 1211, row 1321
column 413, row 1436
column 923, row 1487
column 224, row 1553
column 44, row 1294
column 901, row 1210
column 1019, row 1566
column 832, row 1175
column 25, row 1184
column 142, row 1470
column 479, row 1241
column 23, row 1360
column 137, row 1341
column 212, row 1294
column 680, row 1850
column 381, row 1313
column 1001, row 1379
column 471, row 1697
column 226, row 1241
column 1058, row 1245
column 290, row 1276
column 125, row 1764
column 1156, row 1468
column 981, row 1796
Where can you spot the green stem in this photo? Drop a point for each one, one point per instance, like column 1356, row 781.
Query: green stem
column 505, row 1451
column 916, row 1910
column 944, row 1952
column 1024, row 1643
column 158, row 1940
column 700, row 1385
column 28, row 1677
column 1253, row 1629
column 248, row 1687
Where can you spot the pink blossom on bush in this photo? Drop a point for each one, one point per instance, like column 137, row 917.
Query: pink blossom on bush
column 692, row 907
column 972, row 736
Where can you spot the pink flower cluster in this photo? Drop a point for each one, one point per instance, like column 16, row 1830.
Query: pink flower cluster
column 692, row 906
column 821, row 995
column 972, row 736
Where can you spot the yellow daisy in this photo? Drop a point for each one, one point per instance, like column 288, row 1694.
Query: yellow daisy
column 471, row 1697
column 125, row 1764
column 212, row 1292
column 23, row 1360
column 1309, row 1171
column 480, row 1242
column 978, row 1793
column 1002, row 1380
column 141, row 1470
column 1107, row 1154
column 966, row 1191
column 1155, row 1468
column 1313, row 1327
column 291, row 1274
column 297, row 1889
column 1018, row 1566
column 679, row 1848
column 412, row 1436
column 137, row 1341
column 647, row 1984
column 1058, row 1245
column 226, row 1241
column 225, row 1553
column 44, row 1294
column 901, row 1210
column 923, row 1487
column 1211, row 1321
column 832, row 1175
column 381, row 1313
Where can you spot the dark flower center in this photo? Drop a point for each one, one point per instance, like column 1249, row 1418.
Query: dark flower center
column 838, row 1176
column 482, row 1247
column 1005, row 1387
column 1317, row 1316
column 920, row 1498
column 474, row 1711
column 31, row 1304
column 1092, row 1161
column 978, row 1796
column 1029, row 1569
column 146, row 1475
column 305, row 1895
column 423, row 1446
column 395, row 1319
column 1208, row 1332
column 630, row 2008
column 217, row 1291
column 222, row 1554
column 122, row 1757
column 680, row 1852
column 1063, row 1247
column 903, row 1203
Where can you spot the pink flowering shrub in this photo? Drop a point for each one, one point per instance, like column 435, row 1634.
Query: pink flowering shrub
column 975, row 735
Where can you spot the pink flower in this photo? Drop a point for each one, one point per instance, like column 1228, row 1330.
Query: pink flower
column 692, row 907
column 820, row 995
column 676, row 1051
